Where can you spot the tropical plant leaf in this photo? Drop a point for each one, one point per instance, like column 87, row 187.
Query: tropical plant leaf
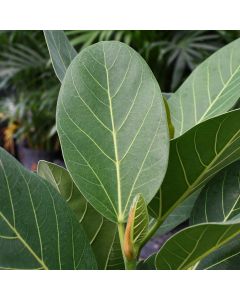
column 179, row 215
column 225, row 258
column 60, row 50
column 37, row 229
column 100, row 231
column 210, row 90
column 137, row 227
column 195, row 157
column 147, row 264
column 187, row 247
column 219, row 201
column 112, row 124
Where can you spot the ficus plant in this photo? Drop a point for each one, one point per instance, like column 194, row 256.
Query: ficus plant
column 138, row 163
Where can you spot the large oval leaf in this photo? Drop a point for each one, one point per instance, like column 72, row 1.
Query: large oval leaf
column 220, row 201
column 60, row 50
column 195, row 157
column 100, row 231
column 37, row 229
column 179, row 215
column 187, row 247
column 113, row 129
column 225, row 258
column 212, row 89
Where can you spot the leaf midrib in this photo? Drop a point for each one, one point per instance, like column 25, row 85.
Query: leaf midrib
column 186, row 193
column 219, row 95
column 117, row 162
column 39, row 260
column 212, row 249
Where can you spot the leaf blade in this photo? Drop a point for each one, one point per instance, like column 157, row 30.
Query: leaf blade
column 100, row 231
column 211, row 145
column 211, row 89
column 183, row 250
column 111, row 74
column 224, row 192
column 46, row 234
column 60, row 50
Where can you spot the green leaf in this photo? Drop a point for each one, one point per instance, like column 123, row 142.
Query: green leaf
column 101, row 232
column 195, row 157
column 219, row 201
column 210, row 90
column 37, row 229
column 60, row 50
column 115, row 261
column 137, row 227
column 183, row 250
column 112, row 126
column 179, row 215
column 225, row 258
column 147, row 264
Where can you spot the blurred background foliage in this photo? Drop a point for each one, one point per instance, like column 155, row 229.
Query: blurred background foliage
column 29, row 87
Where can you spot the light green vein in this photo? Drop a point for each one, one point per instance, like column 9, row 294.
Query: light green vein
column 114, row 135
column 26, row 245
column 9, row 193
column 34, row 213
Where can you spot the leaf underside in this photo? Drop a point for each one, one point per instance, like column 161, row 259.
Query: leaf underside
column 37, row 229
column 195, row 157
column 179, row 215
column 112, row 126
column 210, row 90
column 187, row 247
column 60, row 50
column 219, row 201
column 100, row 231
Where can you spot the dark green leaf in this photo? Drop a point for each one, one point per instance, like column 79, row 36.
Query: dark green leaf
column 180, row 214
column 37, row 229
column 195, row 157
column 220, row 201
column 101, row 232
column 187, row 247
column 147, row 264
column 60, row 50
column 225, row 258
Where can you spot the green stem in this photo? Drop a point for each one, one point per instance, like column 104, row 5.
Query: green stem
column 129, row 264
column 121, row 231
